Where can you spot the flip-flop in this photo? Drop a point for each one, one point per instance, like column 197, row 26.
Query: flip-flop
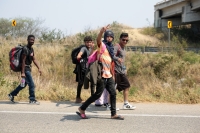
column 118, row 117
column 83, row 116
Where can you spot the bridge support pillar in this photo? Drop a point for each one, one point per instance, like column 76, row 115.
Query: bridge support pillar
column 189, row 16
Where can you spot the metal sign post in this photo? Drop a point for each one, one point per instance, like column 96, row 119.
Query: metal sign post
column 14, row 23
column 169, row 25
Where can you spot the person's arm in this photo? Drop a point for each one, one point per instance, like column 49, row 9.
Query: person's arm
column 23, row 65
column 100, row 35
column 36, row 64
column 82, row 51
column 79, row 55
column 116, row 57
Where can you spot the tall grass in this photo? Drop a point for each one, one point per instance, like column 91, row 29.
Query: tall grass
column 162, row 77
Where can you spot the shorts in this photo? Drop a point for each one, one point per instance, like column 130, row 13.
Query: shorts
column 121, row 81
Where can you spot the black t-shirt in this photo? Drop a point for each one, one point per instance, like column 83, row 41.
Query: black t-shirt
column 86, row 52
column 29, row 52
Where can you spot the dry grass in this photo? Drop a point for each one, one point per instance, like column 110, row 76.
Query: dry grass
column 153, row 77
column 138, row 39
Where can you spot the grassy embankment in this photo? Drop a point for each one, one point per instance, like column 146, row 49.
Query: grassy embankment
column 162, row 77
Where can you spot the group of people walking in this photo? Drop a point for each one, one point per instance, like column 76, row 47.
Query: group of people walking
column 113, row 71
column 107, row 72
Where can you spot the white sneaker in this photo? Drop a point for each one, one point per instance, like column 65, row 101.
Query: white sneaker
column 128, row 106
column 108, row 107
column 34, row 102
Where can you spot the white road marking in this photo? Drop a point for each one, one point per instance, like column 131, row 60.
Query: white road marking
column 99, row 114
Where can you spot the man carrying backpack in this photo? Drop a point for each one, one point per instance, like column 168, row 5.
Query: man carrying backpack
column 121, row 80
column 80, row 69
column 106, row 80
column 27, row 58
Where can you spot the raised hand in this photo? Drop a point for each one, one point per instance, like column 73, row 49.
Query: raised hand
column 105, row 28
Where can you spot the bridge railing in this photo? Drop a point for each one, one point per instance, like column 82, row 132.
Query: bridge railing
column 157, row 49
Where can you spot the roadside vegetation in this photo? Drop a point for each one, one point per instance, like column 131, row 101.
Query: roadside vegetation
column 162, row 77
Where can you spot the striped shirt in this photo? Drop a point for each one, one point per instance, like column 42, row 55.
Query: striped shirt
column 106, row 62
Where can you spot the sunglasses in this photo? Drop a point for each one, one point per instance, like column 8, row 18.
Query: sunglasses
column 125, row 40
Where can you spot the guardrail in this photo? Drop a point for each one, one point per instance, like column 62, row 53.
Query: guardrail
column 149, row 49
column 158, row 49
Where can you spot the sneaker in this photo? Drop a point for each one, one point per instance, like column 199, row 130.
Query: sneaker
column 108, row 107
column 11, row 98
column 128, row 106
column 34, row 102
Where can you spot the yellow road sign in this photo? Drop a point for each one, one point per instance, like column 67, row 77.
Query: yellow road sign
column 14, row 23
column 169, row 24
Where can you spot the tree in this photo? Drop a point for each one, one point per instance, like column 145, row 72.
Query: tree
column 23, row 28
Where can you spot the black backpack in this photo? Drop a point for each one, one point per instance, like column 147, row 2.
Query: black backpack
column 15, row 58
column 75, row 53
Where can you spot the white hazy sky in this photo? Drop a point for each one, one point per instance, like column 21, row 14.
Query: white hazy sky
column 72, row 16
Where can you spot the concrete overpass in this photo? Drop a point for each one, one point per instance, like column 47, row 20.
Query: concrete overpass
column 180, row 12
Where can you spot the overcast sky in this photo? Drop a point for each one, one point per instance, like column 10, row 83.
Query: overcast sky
column 74, row 16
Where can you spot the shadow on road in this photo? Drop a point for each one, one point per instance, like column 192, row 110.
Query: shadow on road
column 70, row 117
column 92, row 108
column 9, row 102
column 77, row 118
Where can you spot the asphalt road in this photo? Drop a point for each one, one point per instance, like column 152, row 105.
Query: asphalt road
column 52, row 117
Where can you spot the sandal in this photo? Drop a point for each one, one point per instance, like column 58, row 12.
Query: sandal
column 118, row 117
column 83, row 116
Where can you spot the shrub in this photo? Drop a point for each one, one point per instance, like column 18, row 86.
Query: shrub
column 191, row 57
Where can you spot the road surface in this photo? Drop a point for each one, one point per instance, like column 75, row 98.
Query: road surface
column 60, row 117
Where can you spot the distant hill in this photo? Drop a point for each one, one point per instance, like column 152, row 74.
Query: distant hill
column 137, row 38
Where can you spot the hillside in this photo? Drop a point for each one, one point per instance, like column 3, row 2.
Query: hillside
column 137, row 38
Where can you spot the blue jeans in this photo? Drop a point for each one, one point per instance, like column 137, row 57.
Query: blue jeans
column 29, row 81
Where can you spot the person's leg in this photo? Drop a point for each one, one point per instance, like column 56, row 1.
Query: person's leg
column 92, row 87
column 125, row 94
column 95, row 96
column 124, row 85
column 110, row 86
column 106, row 97
column 30, row 82
column 78, row 94
column 16, row 91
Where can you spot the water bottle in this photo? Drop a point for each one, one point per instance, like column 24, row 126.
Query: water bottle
column 22, row 82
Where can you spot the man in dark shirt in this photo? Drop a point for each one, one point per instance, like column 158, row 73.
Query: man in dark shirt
column 27, row 59
column 82, row 57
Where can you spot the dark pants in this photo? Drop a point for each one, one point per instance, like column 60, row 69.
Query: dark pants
column 29, row 81
column 101, row 84
column 79, row 87
column 122, row 81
